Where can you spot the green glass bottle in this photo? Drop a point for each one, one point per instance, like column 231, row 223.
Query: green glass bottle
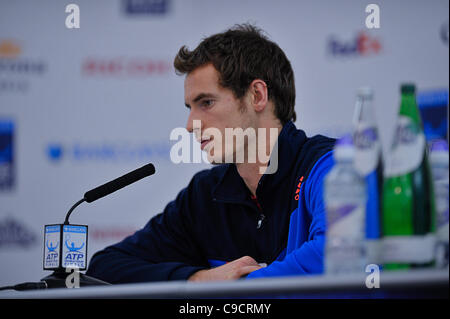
column 408, row 205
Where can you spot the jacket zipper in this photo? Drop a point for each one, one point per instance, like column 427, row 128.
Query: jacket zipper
column 261, row 215
column 260, row 220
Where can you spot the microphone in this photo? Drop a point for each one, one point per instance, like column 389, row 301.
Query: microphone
column 119, row 183
column 112, row 186
column 65, row 245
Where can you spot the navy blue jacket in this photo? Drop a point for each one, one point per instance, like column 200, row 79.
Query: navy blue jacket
column 215, row 220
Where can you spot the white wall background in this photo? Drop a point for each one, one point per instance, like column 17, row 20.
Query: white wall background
column 128, row 114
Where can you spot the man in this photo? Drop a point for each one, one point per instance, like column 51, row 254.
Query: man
column 237, row 216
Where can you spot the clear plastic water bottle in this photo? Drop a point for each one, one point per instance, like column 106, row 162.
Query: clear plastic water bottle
column 368, row 163
column 439, row 170
column 345, row 202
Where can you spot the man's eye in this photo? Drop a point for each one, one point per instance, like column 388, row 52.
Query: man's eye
column 207, row 103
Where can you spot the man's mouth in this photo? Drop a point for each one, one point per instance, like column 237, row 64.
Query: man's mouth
column 204, row 142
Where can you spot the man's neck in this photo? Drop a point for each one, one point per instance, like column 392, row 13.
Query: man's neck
column 251, row 172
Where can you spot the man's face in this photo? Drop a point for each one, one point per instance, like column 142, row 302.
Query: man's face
column 217, row 108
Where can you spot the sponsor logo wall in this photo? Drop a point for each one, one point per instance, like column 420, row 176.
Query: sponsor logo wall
column 79, row 107
column 18, row 70
column 360, row 45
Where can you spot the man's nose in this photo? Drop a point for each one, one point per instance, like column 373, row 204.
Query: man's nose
column 190, row 121
column 194, row 125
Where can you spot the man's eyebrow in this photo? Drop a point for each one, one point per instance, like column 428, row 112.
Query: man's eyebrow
column 201, row 96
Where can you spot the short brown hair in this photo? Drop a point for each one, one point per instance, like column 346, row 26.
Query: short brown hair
column 240, row 55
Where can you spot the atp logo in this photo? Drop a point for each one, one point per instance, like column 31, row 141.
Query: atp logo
column 74, row 255
column 50, row 247
column 52, row 254
column 72, row 247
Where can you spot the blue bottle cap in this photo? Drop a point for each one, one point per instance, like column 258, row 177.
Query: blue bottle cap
column 345, row 140
column 344, row 148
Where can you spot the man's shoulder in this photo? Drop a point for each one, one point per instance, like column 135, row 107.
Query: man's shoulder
column 320, row 142
column 308, row 149
column 314, row 148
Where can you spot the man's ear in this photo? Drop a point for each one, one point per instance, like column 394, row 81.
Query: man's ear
column 259, row 95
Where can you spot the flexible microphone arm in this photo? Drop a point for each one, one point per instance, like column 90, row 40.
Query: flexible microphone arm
column 66, row 221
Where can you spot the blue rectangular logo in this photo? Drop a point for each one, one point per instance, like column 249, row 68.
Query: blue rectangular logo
column 154, row 7
column 52, row 229
column 75, row 229
column 433, row 106
column 7, row 174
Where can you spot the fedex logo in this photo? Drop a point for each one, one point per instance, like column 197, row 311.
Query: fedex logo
column 361, row 45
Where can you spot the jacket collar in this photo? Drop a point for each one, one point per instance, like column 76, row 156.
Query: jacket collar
column 232, row 188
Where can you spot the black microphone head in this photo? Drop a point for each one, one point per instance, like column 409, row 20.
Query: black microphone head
column 119, row 183
column 148, row 169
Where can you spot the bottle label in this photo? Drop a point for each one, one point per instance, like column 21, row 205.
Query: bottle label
column 367, row 149
column 441, row 193
column 407, row 148
column 345, row 200
column 346, row 221
column 345, row 244
column 408, row 249
column 373, row 250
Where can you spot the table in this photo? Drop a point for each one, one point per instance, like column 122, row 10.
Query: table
column 394, row 284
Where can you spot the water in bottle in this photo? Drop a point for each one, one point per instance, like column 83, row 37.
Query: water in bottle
column 439, row 171
column 345, row 202
column 368, row 163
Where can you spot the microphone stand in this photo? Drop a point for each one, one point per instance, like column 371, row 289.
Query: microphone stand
column 59, row 277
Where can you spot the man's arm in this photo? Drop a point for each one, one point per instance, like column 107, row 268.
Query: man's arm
column 306, row 257
column 125, row 268
column 230, row 271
